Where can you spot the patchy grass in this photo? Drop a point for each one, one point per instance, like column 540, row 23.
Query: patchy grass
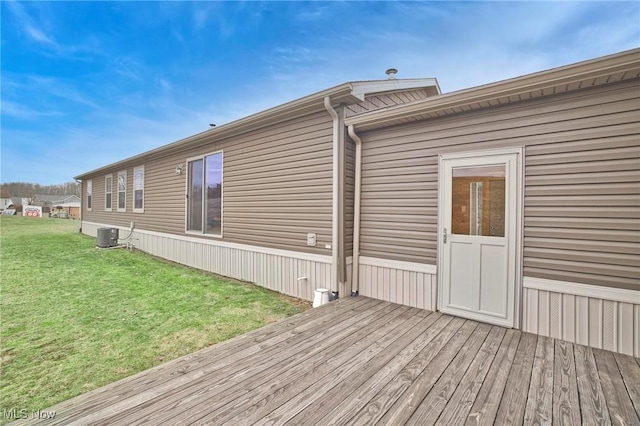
column 74, row 317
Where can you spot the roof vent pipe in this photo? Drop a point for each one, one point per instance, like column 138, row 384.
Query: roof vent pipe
column 391, row 72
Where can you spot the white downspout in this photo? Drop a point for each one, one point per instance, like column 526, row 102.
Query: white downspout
column 355, row 266
column 81, row 182
column 336, row 193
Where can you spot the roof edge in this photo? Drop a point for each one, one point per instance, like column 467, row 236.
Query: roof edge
column 566, row 74
column 346, row 93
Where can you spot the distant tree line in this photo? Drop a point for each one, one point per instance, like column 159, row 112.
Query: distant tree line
column 28, row 190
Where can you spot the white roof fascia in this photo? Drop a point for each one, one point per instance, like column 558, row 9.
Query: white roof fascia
column 565, row 75
column 362, row 88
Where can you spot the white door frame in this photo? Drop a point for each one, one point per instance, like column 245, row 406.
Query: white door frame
column 517, row 245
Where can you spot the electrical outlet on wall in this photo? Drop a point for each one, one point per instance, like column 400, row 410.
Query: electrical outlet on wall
column 311, row 240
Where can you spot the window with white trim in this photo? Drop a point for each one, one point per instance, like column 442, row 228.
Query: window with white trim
column 89, row 194
column 122, row 191
column 138, row 189
column 204, row 194
column 108, row 192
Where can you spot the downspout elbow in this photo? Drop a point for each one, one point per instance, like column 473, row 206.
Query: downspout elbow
column 355, row 275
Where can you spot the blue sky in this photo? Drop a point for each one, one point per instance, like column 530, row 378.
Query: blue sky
column 85, row 84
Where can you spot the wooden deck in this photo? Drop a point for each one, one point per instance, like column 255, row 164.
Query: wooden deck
column 363, row 361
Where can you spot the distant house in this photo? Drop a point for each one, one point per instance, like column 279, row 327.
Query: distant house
column 515, row 203
column 69, row 204
column 5, row 199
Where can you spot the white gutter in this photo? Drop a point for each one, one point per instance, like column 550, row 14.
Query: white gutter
column 336, row 193
column 355, row 275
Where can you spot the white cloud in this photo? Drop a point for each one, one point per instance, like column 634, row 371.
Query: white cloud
column 16, row 110
column 29, row 26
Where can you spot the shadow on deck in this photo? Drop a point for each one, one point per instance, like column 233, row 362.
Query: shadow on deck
column 364, row 361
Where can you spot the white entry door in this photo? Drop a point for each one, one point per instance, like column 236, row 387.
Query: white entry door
column 479, row 235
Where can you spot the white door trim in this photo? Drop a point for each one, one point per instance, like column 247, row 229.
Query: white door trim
column 517, row 247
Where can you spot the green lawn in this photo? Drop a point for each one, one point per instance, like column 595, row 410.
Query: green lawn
column 74, row 317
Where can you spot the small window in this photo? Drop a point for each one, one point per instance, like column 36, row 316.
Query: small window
column 89, row 193
column 122, row 191
column 138, row 189
column 108, row 190
column 204, row 197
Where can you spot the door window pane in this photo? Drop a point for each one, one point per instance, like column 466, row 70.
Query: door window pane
column 478, row 201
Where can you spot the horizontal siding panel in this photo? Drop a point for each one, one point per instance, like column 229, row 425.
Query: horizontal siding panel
column 514, row 116
column 301, row 210
column 282, row 244
column 590, row 257
column 309, row 178
column 370, row 167
column 398, row 179
column 396, row 241
column 382, row 226
column 256, row 186
column 453, row 139
column 411, row 234
column 296, row 162
column 279, row 193
column 393, row 195
column 292, row 217
column 265, row 205
column 428, row 257
column 249, row 175
column 590, row 167
column 400, row 203
column 273, row 233
column 282, row 131
column 578, row 277
column 587, row 141
column 415, row 252
column 559, row 189
column 566, row 141
column 592, row 223
column 629, row 176
column 580, row 212
column 582, row 245
column 583, row 201
column 613, row 270
column 269, row 157
column 414, row 186
column 401, row 218
column 266, row 222
column 624, row 153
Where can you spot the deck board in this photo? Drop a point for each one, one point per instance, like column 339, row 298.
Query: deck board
column 364, row 361
column 565, row 386
column 619, row 402
column 540, row 397
column 485, row 406
column 592, row 401
column 514, row 398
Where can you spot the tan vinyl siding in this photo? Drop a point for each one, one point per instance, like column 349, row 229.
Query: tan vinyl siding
column 276, row 187
column 582, row 182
